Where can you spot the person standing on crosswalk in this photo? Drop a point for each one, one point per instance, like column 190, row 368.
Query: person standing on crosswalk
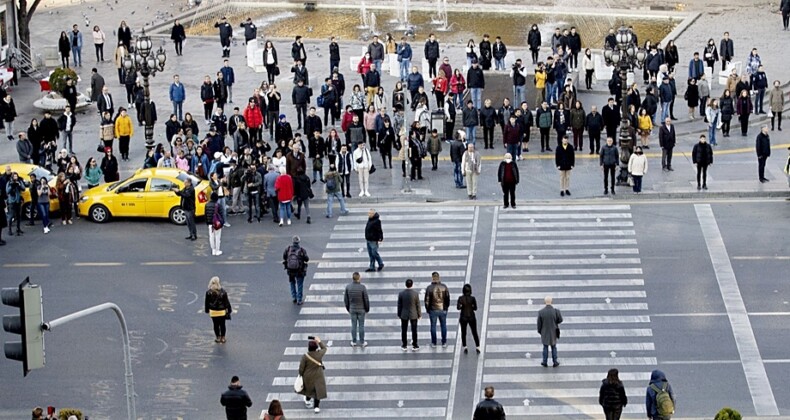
column 409, row 312
column 437, row 301
column 549, row 320
column 489, row 408
column 295, row 260
column 467, row 305
column 374, row 235
column 357, row 305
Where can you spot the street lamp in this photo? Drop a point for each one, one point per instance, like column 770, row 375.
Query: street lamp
column 148, row 65
column 625, row 55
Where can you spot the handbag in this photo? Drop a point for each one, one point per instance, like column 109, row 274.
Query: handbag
column 217, row 313
column 276, row 71
column 315, row 361
column 100, row 147
column 372, row 168
column 298, row 384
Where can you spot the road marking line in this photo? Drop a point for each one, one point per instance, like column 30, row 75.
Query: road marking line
column 486, row 308
column 388, row 337
column 565, row 410
column 370, row 413
column 565, row 242
column 379, row 379
column 571, row 251
column 698, row 362
column 542, row 378
column 26, row 265
column 566, row 261
column 165, row 263
column 572, row 307
column 613, row 319
column 378, row 364
column 756, row 377
column 570, row 347
column 599, row 332
column 238, row 262
column 766, row 257
column 574, row 361
column 598, row 294
column 569, row 272
column 574, row 233
column 567, row 283
column 366, row 396
column 98, row 264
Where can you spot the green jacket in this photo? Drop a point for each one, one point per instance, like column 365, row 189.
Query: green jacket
column 336, row 177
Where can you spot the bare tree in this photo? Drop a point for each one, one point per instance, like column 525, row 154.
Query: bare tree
column 24, row 15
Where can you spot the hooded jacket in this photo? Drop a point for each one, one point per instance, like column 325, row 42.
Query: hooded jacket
column 235, row 400
column 373, row 230
column 659, row 379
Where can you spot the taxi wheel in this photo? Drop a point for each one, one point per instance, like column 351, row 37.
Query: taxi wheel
column 98, row 213
column 26, row 208
column 178, row 216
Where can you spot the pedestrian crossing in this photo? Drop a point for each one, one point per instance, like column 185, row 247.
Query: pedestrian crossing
column 381, row 381
column 587, row 258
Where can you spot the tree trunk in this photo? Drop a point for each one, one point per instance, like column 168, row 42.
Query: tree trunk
column 24, row 15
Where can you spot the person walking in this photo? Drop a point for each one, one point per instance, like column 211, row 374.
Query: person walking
column 295, row 261
column 177, row 35
column 311, row 369
column 612, row 395
column 467, row 305
column 357, row 305
column 763, row 148
column 471, row 164
column 637, row 167
column 217, row 306
column 374, row 235
column 666, row 139
column 549, row 320
column 215, row 221
column 409, row 313
column 660, row 399
column 489, row 408
column 187, row 195
column 565, row 160
column 702, row 157
column 508, row 178
column 332, row 183
column 437, row 302
column 609, row 157
column 235, row 400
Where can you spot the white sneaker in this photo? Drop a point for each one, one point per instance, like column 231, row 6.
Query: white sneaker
column 317, row 410
column 361, row 193
column 289, row 222
column 364, row 344
column 226, row 224
column 213, row 252
column 353, row 344
column 367, row 194
column 218, row 253
column 46, row 229
column 281, row 223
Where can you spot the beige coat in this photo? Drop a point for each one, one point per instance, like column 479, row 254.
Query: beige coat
column 776, row 99
column 637, row 165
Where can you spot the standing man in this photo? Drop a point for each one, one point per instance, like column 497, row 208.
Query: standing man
column 295, row 260
column 334, row 55
column 763, row 146
column 574, row 44
column 376, row 51
column 75, row 40
column 608, row 159
column 594, row 123
column 471, row 164
column 187, row 195
column 549, row 320
column 457, row 150
column 105, row 103
column 437, row 302
column 665, row 96
column 372, row 81
column 611, row 118
column 409, row 312
column 298, row 52
column 727, row 49
column 362, row 164
column 229, row 77
column 374, row 236
column 225, row 35
column 696, row 67
column 66, row 124
column 470, row 119
column 431, row 54
column 24, row 149
column 489, row 408
column 404, row 58
column 666, row 139
column 543, row 117
column 235, row 400
column 344, row 167
column 476, row 82
column 499, row 51
column 177, row 96
column 300, row 97
column 269, row 181
column 702, row 157
column 250, row 30
column 519, row 75
column 660, row 399
column 332, row 181
column 759, row 84
column 97, row 84
column 357, row 305
column 565, row 159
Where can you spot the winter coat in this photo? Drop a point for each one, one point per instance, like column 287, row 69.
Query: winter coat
column 727, row 107
column 637, row 165
column 313, row 374
column 549, row 320
column 776, row 99
column 577, row 118
column 501, row 171
column 431, row 50
column 702, row 154
column 228, row 76
column 612, row 396
column 743, row 105
column 434, row 145
column 437, row 297
column 692, row 96
column 658, row 379
column 467, row 304
column 594, row 123
column 609, row 155
column 457, row 150
column 284, row 187
column 356, row 298
column 489, row 409
column 763, row 145
column 409, row 305
column 666, row 136
column 727, row 48
column 564, row 157
column 512, row 134
column 302, row 190
column 373, row 231
column 470, row 117
column 475, row 78
column 376, row 51
column 544, row 119
column 235, row 400
column 534, row 39
column 488, row 116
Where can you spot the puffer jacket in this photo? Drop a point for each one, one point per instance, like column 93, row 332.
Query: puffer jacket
column 612, row 396
column 609, row 156
column 356, row 298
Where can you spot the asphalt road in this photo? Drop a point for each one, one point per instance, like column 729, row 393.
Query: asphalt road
column 697, row 290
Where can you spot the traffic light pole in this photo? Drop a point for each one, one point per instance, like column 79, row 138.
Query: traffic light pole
column 127, row 359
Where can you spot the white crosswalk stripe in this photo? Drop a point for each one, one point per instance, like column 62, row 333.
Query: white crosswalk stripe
column 381, row 381
column 587, row 259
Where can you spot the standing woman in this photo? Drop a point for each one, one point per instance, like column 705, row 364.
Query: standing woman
column 370, row 127
column 471, row 53
column 64, row 47
column 98, row 42
column 645, row 75
column 130, row 78
column 379, row 100
column 612, row 396
column 671, row 56
column 711, row 55
column 743, row 105
column 727, row 107
column 34, row 135
column 534, row 41
column 457, row 87
column 692, row 97
column 43, row 202
column 713, row 114
column 398, row 97
column 644, row 126
column 467, row 305
column 589, row 68
column 311, row 369
column 637, row 167
column 8, row 113
column 386, row 140
column 65, row 188
column 358, row 102
column 440, row 88
column 93, row 173
column 125, row 35
column 120, row 52
column 776, row 100
column 178, row 35
column 109, row 166
column 561, row 121
column 578, row 119
column 217, row 306
column 508, row 179
column 124, row 129
column 270, row 61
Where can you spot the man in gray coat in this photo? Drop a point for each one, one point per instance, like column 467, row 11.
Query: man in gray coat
column 549, row 320
column 357, row 305
column 409, row 312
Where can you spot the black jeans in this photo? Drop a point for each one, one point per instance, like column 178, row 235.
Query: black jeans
column 509, row 195
column 301, row 114
column 219, row 325
column 274, row 205
column 434, row 161
column 99, row 51
column 588, row 74
column 207, row 108
column 488, row 136
column 774, row 116
column 761, row 167
column 534, row 56
column 472, row 323
column 253, row 202
column 404, row 324
column 432, row 67
column 613, row 413
column 544, row 138
column 345, row 184
column 595, row 142
column 416, row 169
column 386, row 157
column 744, row 124
column 179, row 47
column 702, row 170
column 191, row 223
column 725, row 127
column 608, row 174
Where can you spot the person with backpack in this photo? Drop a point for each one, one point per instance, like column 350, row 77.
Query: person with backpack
column 333, row 191
column 295, row 260
column 612, row 395
column 215, row 222
column 660, row 400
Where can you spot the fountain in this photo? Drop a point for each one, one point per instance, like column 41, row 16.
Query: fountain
column 402, row 18
column 372, row 23
column 585, row 24
column 363, row 17
column 440, row 18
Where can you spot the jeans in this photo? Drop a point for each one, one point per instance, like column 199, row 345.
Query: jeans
column 253, row 202
column 43, row 210
column 76, row 52
column 470, row 134
column 404, row 325
column 608, row 174
column 191, row 223
column 442, row 317
column 222, row 202
column 68, row 137
column 458, row 177
column 357, row 324
column 472, row 323
column 178, row 109
column 476, row 95
column 513, row 149
column 664, row 111
column 373, row 254
column 758, row 101
column 286, row 211
column 499, row 64
column 297, row 285
column 405, row 65
column 637, row 183
column 378, row 65
column 551, row 92
column 518, row 95
column 546, row 353
column 712, row 132
column 99, row 52
column 330, row 198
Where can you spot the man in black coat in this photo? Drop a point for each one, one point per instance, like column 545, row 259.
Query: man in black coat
column 104, row 102
column 594, row 124
column 235, row 400
column 611, row 118
column 702, row 156
column 763, row 148
column 225, row 35
column 298, row 52
column 250, row 30
column 432, row 54
column 727, row 50
column 489, row 408
column 374, row 235
column 565, row 160
column 457, row 149
column 187, row 195
column 666, row 139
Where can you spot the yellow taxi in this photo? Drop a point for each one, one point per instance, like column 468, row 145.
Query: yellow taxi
column 147, row 193
column 24, row 170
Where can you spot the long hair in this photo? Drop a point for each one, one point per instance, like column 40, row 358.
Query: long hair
column 214, row 284
column 613, row 377
column 275, row 408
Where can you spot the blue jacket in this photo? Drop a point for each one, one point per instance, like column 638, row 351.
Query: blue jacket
column 665, row 92
column 203, row 159
column 659, row 379
column 177, row 93
column 79, row 39
column 227, row 75
column 268, row 183
column 414, row 81
column 404, row 52
column 695, row 71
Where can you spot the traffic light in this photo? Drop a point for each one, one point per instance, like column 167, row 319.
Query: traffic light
column 30, row 350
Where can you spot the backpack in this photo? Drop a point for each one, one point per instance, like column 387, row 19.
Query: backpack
column 320, row 99
column 664, row 404
column 293, row 262
column 216, row 220
column 423, row 150
column 331, row 185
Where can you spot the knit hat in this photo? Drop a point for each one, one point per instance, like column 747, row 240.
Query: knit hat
column 217, row 155
column 296, row 239
column 282, row 116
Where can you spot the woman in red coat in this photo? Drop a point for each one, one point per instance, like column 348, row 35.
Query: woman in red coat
column 440, row 88
column 284, row 186
column 457, row 87
column 253, row 118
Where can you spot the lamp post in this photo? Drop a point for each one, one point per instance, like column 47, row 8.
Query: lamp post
column 148, row 64
column 625, row 56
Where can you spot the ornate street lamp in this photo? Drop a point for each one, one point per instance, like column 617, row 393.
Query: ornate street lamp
column 148, row 64
column 625, row 56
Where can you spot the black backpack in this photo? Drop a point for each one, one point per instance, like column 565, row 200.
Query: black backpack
column 294, row 260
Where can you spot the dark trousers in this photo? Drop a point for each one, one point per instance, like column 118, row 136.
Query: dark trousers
column 595, row 142
column 774, row 116
column 472, row 323
column 301, row 115
column 404, row 324
column 573, row 61
column 15, row 215
column 219, row 325
column 744, row 124
column 270, row 70
column 129, row 93
column 123, row 145
column 544, row 138
column 179, row 47
column 434, row 161
column 666, row 158
column 416, row 169
column 578, row 138
column 253, row 202
column 121, row 75
column 345, row 185
column 611, row 131
column 509, row 193
column 371, row 140
column 588, row 74
column 207, row 108
column 191, row 223
column 637, row 183
column 785, row 19
column 534, row 56
column 725, row 127
column 274, row 205
column 608, row 174
column 761, row 167
column 702, row 170
column 488, row 136
column 432, row 67
column 99, row 51
column 613, row 413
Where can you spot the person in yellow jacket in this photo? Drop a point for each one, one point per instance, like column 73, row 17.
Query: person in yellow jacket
column 644, row 125
column 540, row 85
column 124, row 129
